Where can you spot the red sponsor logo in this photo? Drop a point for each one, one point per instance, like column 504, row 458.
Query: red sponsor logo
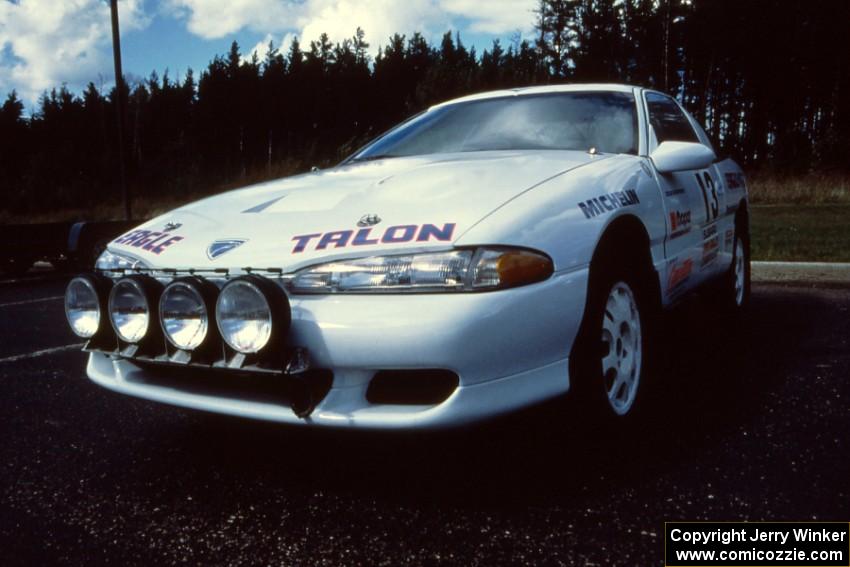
column 679, row 274
column 149, row 240
column 680, row 222
column 710, row 249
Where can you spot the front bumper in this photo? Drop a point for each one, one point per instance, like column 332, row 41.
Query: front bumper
column 509, row 349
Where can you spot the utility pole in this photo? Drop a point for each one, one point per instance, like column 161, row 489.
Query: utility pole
column 119, row 107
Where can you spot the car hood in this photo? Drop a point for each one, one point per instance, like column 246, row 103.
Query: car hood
column 263, row 226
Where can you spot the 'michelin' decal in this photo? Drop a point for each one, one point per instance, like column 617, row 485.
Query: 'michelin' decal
column 608, row 202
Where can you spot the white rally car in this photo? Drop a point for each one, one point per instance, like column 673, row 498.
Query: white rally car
column 492, row 252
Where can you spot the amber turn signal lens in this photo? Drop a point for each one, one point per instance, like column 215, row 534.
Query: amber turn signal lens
column 510, row 268
column 521, row 267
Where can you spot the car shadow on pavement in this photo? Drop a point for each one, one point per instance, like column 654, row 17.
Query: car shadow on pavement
column 715, row 376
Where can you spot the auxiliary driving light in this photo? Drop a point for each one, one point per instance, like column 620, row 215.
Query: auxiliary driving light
column 248, row 311
column 184, row 312
column 84, row 305
column 131, row 307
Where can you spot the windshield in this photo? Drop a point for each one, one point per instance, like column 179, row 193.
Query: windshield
column 554, row 121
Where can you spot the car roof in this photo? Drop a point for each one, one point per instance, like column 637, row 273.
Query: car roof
column 595, row 87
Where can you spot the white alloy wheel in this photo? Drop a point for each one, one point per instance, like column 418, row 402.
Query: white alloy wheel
column 622, row 348
column 740, row 272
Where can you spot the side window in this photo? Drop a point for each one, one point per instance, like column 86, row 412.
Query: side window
column 668, row 120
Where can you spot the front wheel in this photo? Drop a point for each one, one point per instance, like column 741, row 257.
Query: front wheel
column 622, row 348
column 611, row 355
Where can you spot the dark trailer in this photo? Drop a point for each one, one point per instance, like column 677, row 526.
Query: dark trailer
column 71, row 245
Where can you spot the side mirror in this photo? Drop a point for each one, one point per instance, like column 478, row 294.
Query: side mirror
column 680, row 156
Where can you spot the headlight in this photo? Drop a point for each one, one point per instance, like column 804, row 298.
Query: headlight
column 112, row 262
column 184, row 315
column 458, row 270
column 249, row 311
column 82, row 307
column 130, row 309
column 417, row 272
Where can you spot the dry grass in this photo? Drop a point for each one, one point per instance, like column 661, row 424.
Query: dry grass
column 813, row 233
column 808, row 190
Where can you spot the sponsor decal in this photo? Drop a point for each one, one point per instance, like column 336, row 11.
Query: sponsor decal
column 363, row 237
column 608, row 202
column 710, row 197
column 150, row 240
column 680, row 272
column 221, row 247
column 711, row 247
column 680, row 223
column 674, row 192
column 735, row 180
column 730, row 238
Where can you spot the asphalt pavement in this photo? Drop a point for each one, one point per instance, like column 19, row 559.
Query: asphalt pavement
column 750, row 422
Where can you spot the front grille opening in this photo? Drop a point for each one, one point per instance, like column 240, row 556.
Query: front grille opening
column 412, row 387
column 228, row 383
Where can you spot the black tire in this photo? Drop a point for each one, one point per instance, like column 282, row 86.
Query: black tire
column 89, row 259
column 735, row 287
column 63, row 265
column 593, row 375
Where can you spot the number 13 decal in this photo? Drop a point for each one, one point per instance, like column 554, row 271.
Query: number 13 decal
column 709, row 195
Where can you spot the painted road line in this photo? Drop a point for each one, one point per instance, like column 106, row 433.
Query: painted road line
column 28, row 301
column 39, row 353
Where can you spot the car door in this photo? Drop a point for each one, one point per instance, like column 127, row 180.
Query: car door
column 692, row 202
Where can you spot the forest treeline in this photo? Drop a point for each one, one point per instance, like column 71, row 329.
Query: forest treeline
column 769, row 78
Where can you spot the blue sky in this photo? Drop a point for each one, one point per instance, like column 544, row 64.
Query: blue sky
column 47, row 43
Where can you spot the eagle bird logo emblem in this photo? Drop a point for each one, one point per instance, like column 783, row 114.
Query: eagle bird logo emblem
column 221, row 247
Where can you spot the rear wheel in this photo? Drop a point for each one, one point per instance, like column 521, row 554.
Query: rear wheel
column 735, row 290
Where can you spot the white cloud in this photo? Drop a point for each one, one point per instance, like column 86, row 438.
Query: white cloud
column 378, row 18
column 261, row 48
column 494, row 16
column 212, row 19
column 45, row 43
column 340, row 18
